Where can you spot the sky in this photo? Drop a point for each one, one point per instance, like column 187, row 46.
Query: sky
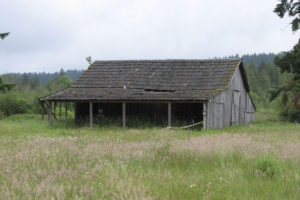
column 47, row 35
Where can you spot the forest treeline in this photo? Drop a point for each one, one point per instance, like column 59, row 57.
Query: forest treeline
column 263, row 77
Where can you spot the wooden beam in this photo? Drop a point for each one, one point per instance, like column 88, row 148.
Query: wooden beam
column 124, row 114
column 59, row 110
column 66, row 110
column 43, row 110
column 91, row 114
column 50, row 114
column 169, row 114
column 54, row 110
column 204, row 116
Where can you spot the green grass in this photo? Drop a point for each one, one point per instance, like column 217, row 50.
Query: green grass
column 257, row 161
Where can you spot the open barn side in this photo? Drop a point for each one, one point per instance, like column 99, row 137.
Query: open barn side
column 181, row 114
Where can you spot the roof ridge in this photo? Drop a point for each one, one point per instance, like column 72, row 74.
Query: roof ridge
column 170, row 60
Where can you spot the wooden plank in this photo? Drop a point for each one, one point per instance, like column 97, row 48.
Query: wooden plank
column 59, row 110
column 66, row 110
column 50, row 114
column 43, row 110
column 124, row 114
column 169, row 114
column 91, row 114
column 204, row 116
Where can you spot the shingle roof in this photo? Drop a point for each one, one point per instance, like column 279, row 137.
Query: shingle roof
column 151, row 80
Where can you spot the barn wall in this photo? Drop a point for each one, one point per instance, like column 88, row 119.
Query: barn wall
column 231, row 107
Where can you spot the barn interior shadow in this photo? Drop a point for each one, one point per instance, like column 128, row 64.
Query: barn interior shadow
column 139, row 115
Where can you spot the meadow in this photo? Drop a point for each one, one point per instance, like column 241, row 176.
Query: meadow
column 257, row 161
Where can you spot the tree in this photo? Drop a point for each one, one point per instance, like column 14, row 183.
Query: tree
column 290, row 62
column 4, row 35
column 89, row 60
column 5, row 87
column 60, row 83
column 25, row 80
column 35, row 82
column 292, row 8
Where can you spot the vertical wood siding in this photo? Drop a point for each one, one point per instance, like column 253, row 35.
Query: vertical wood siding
column 231, row 107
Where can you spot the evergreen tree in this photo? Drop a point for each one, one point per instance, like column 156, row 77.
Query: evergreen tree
column 25, row 80
column 62, row 72
column 4, row 35
column 292, row 8
column 35, row 82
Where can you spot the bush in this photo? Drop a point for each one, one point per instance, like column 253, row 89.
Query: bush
column 291, row 115
column 266, row 167
column 13, row 103
column 2, row 115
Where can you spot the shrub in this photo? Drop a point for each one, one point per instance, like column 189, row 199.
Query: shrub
column 13, row 103
column 266, row 167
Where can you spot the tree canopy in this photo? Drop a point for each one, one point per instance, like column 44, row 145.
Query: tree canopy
column 291, row 8
column 290, row 62
column 5, row 87
column 4, row 35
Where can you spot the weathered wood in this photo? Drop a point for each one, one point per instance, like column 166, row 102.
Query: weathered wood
column 169, row 114
column 66, row 110
column 50, row 114
column 43, row 110
column 204, row 116
column 124, row 114
column 211, row 82
column 161, row 80
column 54, row 110
column 91, row 114
column 59, row 110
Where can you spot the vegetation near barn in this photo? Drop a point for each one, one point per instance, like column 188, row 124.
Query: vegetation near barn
column 258, row 161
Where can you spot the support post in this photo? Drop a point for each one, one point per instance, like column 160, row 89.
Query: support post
column 169, row 114
column 204, row 116
column 124, row 114
column 54, row 110
column 91, row 114
column 66, row 110
column 59, row 110
column 43, row 110
column 50, row 114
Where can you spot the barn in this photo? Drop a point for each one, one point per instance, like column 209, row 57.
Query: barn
column 214, row 92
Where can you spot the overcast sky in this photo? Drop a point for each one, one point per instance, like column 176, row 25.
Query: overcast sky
column 47, row 35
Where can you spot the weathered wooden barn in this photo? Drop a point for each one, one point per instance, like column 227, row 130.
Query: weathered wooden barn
column 215, row 91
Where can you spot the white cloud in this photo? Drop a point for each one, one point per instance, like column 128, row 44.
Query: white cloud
column 47, row 35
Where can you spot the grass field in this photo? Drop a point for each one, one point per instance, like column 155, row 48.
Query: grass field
column 258, row 161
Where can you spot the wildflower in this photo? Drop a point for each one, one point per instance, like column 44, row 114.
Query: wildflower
column 192, row 185
column 208, row 184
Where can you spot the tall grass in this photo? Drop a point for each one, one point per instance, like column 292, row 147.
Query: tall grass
column 258, row 161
